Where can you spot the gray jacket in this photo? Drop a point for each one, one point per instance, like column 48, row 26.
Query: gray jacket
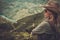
column 43, row 27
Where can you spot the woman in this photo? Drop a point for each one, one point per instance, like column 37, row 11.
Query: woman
column 47, row 30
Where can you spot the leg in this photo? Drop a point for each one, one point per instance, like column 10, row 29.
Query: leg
column 45, row 37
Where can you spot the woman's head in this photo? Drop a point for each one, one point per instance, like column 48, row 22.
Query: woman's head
column 50, row 14
column 52, row 8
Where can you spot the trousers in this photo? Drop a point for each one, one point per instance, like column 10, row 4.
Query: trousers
column 48, row 37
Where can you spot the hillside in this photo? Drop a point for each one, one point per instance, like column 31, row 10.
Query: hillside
column 18, row 9
column 10, row 29
column 19, row 17
column 28, row 23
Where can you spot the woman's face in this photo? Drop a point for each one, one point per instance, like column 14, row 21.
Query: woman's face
column 48, row 15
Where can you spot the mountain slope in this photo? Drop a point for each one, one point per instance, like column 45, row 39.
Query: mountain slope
column 18, row 9
column 28, row 23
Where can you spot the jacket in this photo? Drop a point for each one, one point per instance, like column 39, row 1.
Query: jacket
column 43, row 27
